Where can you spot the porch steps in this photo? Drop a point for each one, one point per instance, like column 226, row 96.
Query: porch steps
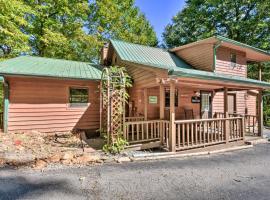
column 190, row 153
column 255, row 141
column 143, row 146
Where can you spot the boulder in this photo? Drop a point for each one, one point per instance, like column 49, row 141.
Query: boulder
column 67, row 156
column 66, row 162
column 123, row 159
column 2, row 161
column 86, row 158
column 40, row 164
column 55, row 158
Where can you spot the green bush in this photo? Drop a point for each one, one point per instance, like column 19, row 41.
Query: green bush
column 116, row 147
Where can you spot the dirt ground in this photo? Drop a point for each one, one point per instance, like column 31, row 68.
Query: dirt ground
column 37, row 150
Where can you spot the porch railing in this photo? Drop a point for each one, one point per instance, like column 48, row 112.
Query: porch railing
column 251, row 124
column 204, row 132
column 143, row 131
column 134, row 119
column 187, row 134
column 251, row 121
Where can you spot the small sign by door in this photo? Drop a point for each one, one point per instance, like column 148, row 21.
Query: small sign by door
column 195, row 99
column 153, row 99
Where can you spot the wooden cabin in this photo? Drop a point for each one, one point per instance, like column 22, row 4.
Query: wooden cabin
column 193, row 95
column 50, row 95
column 190, row 96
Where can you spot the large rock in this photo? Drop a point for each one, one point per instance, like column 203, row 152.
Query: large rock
column 55, row 158
column 86, row 158
column 66, row 162
column 40, row 164
column 2, row 161
column 123, row 159
column 67, row 156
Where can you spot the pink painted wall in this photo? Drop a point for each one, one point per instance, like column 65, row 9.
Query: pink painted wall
column 223, row 66
column 43, row 104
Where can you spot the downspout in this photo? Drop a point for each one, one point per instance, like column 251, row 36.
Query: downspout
column 6, row 105
column 215, row 54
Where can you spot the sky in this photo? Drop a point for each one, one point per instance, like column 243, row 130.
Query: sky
column 160, row 12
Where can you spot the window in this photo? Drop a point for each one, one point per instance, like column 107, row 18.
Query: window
column 78, row 97
column 167, row 98
column 233, row 59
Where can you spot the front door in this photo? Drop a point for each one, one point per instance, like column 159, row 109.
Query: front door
column 206, row 104
column 232, row 103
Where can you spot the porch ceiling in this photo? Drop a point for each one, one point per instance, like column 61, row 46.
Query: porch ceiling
column 215, row 84
column 201, row 84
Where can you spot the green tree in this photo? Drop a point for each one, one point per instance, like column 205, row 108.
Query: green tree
column 13, row 40
column 57, row 30
column 120, row 19
column 246, row 21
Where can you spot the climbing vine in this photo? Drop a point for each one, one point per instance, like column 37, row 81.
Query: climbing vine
column 114, row 84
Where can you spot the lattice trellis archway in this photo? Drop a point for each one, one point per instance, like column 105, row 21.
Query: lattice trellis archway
column 112, row 103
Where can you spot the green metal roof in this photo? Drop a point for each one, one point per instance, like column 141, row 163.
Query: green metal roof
column 241, row 44
column 161, row 58
column 205, row 75
column 145, row 55
column 48, row 67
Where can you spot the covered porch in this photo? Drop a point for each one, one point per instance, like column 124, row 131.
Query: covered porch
column 184, row 113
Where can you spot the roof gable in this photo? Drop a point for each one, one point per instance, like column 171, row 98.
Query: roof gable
column 48, row 67
column 252, row 53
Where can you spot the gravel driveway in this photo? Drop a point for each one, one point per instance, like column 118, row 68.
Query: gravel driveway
column 243, row 174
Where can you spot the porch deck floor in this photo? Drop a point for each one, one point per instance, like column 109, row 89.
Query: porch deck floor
column 213, row 147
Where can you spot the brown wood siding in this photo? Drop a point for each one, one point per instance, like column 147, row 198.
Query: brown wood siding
column 43, row 105
column 224, row 65
column 218, row 102
column 199, row 56
column 251, row 105
column 184, row 102
column 143, row 76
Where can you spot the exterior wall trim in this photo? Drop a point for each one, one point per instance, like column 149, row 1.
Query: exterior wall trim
column 215, row 54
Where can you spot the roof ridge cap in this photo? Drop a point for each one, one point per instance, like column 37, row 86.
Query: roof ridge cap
column 117, row 40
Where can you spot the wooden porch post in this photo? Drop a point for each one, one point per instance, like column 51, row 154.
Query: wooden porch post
column 260, row 71
column 161, row 101
column 260, row 114
column 226, row 102
column 161, row 111
column 226, row 115
column 172, row 136
column 145, row 103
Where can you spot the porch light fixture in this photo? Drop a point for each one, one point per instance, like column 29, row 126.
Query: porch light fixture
column 197, row 93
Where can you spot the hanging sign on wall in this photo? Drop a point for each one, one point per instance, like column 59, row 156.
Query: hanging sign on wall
column 153, row 99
